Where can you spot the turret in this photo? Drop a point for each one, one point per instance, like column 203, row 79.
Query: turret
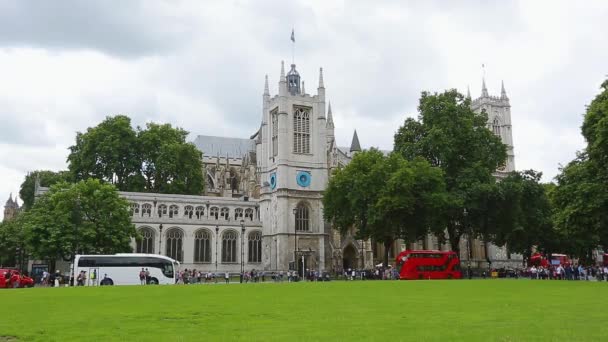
column 503, row 92
column 282, row 81
column 484, row 90
column 293, row 81
column 330, row 117
column 355, row 146
column 321, row 88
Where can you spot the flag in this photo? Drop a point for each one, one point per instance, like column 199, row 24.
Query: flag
column 293, row 36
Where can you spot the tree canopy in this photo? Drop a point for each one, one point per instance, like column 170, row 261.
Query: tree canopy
column 46, row 179
column 154, row 159
column 384, row 198
column 85, row 217
column 454, row 138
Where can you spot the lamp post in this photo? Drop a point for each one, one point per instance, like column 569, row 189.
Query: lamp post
column 464, row 215
column 295, row 239
column 217, row 236
column 242, row 251
column 160, row 237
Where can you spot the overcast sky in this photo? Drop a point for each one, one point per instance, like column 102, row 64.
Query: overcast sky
column 200, row 65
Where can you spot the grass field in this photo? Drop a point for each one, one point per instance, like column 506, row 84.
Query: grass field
column 478, row 310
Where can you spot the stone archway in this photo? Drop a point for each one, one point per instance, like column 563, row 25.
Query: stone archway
column 349, row 257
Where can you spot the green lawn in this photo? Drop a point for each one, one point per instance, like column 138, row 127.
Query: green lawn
column 479, row 310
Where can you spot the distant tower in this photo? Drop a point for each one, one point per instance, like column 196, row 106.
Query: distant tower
column 355, row 146
column 499, row 120
column 11, row 208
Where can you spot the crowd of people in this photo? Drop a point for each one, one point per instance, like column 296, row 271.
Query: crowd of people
column 568, row 272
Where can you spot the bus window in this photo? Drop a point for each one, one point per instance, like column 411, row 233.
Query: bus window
column 168, row 270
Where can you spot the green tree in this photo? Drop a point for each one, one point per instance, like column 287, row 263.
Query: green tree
column 451, row 136
column 46, row 179
column 109, row 152
column 385, row 198
column 170, row 164
column 86, row 217
column 12, row 240
column 595, row 129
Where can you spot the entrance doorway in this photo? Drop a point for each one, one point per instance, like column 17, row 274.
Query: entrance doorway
column 349, row 257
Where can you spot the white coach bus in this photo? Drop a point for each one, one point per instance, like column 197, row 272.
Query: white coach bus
column 124, row 269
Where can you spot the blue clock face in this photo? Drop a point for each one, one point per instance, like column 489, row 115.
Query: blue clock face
column 303, row 178
column 273, row 180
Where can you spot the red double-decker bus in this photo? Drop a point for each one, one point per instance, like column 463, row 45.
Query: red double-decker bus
column 428, row 265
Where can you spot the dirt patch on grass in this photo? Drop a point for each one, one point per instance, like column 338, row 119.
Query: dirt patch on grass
column 8, row 338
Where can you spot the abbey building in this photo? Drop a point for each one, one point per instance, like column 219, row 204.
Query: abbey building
column 262, row 205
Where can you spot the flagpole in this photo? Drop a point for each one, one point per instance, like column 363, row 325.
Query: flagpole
column 293, row 46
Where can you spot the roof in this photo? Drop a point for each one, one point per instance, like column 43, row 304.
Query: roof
column 222, row 146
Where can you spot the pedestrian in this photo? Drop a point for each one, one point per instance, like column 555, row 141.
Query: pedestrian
column 227, row 277
column 147, row 276
column 142, row 277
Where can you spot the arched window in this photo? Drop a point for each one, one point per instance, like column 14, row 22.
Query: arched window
column 214, row 212
column 229, row 246
column 162, row 210
column 146, row 210
column 224, row 213
column 174, row 241
column 188, row 211
column 202, row 246
column 134, row 209
column 302, row 218
column 496, row 127
column 249, row 213
column 255, row 247
column 173, row 211
column 146, row 244
column 199, row 212
column 301, row 130
column 238, row 213
column 275, row 132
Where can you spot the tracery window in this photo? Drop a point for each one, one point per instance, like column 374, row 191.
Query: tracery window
column 162, row 210
column 202, row 246
column 199, row 212
column 249, row 213
column 214, row 212
column 174, row 241
column 229, row 246
column 302, row 218
column 496, row 127
column 188, row 211
column 255, row 247
column 224, row 213
column 146, row 210
column 134, row 209
column 146, row 244
column 301, row 130
column 275, row 132
column 173, row 211
column 238, row 213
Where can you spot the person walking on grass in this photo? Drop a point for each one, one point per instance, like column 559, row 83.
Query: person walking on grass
column 227, row 277
column 142, row 277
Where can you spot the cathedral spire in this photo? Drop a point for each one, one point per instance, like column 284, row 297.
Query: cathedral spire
column 266, row 89
column 10, row 199
column 321, row 83
column 355, row 146
column 503, row 92
column 282, row 71
column 330, row 117
column 484, row 90
column 468, row 93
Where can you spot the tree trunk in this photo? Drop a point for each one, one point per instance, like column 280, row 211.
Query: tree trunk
column 387, row 246
column 454, row 238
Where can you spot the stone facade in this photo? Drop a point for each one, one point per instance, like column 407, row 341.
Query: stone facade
column 11, row 208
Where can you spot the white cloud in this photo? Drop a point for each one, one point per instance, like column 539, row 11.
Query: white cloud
column 200, row 65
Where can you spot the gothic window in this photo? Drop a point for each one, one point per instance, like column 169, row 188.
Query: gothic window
column 496, row 127
column 146, row 244
column 249, row 213
column 275, row 132
column 214, row 212
column 162, row 210
column 301, row 130
column 134, row 209
column 173, row 211
column 302, row 218
column 255, row 247
column 202, row 246
column 199, row 212
column 174, row 241
column 238, row 213
column 146, row 210
column 188, row 211
column 224, row 213
column 229, row 246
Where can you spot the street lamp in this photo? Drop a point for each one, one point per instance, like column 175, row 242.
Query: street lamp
column 465, row 213
column 160, row 237
column 242, row 249
column 295, row 239
column 217, row 236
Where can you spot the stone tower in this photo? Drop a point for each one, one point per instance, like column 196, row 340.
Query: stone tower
column 11, row 208
column 499, row 121
column 293, row 169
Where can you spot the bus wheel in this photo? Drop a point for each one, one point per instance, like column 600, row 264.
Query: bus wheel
column 153, row 281
column 107, row 281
